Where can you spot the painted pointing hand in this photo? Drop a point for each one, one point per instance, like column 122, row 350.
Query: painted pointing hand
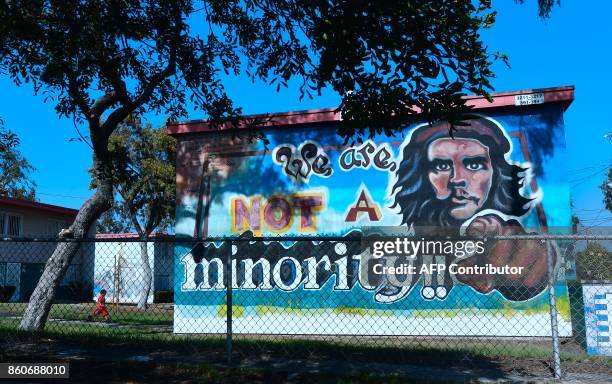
column 529, row 254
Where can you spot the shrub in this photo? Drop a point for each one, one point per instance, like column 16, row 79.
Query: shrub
column 594, row 263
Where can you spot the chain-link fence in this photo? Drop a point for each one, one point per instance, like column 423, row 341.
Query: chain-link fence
column 589, row 287
column 531, row 304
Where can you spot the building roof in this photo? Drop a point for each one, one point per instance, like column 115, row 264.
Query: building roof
column 36, row 206
column 563, row 95
column 126, row 235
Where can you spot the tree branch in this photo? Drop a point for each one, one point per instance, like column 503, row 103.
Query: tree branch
column 151, row 217
column 131, row 213
column 111, row 71
column 102, row 104
column 130, row 105
column 121, row 113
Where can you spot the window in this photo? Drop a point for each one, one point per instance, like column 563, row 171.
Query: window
column 10, row 225
column 14, row 225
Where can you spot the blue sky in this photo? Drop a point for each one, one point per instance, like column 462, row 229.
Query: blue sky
column 570, row 48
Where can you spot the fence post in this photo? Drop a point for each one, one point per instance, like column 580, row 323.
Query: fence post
column 228, row 302
column 554, row 325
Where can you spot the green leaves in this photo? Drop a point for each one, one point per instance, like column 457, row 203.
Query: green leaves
column 8, row 139
column 606, row 188
column 544, row 6
column 15, row 171
column 594, row 262
column 392, row 63
column 143, row 160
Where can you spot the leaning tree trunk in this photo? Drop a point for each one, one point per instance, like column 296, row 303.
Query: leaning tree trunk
column 36, row 313
column 148, row 276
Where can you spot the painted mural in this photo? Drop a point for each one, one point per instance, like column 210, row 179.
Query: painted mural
column 499, row 174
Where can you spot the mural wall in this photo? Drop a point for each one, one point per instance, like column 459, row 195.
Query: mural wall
column 501, row 173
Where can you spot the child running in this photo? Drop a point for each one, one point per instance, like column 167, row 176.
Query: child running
column 100, row 307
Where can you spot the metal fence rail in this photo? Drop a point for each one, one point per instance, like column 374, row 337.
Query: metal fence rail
column 314, row 294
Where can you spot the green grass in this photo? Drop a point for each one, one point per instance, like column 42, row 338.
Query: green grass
column 122, row 314
column 436, row 349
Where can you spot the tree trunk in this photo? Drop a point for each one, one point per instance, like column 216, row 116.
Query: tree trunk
column 36, row 313
column 148, row 276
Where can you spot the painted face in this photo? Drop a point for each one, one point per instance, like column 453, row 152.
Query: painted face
column 460, row 170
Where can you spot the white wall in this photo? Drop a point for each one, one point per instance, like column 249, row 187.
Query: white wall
column 119, row 263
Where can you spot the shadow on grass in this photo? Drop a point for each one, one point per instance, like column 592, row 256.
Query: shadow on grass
column 129, row 354
column 260, row 352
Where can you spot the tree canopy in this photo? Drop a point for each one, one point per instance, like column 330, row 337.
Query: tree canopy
column 144, row 177
column 594, row 262
column 15, row 171
column 606, row 188
column 387, row 60
column 144, row 174
column 8, row 139
column 544, row 6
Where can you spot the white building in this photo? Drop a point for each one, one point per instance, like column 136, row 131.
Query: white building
column 22, row 261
